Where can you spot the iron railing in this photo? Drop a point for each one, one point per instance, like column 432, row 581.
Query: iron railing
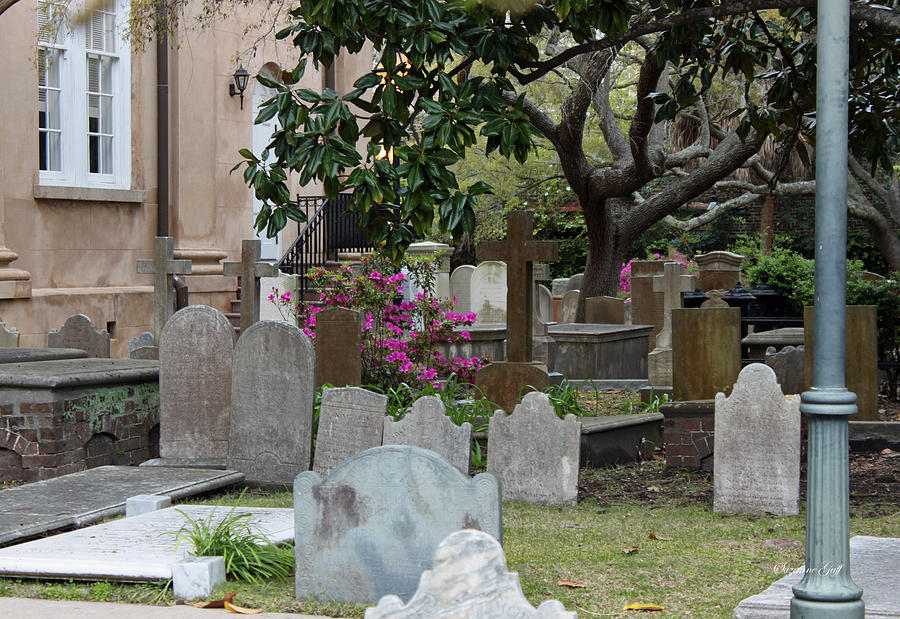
column 330, row 231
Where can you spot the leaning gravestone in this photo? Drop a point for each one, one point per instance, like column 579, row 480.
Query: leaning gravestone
column 370, row 528
column 79, row 332
column 756, row 468
column 338, row 352
column 534, row 453
column 488, row 288
column 351, row 420
column 272, row 392
column 469, row 579
column 196, row 349
column 9, row 338
column 461, row 288
column 789, row 364
column 428, row 426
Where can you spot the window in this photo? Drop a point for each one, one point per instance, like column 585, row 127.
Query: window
column 84, row 99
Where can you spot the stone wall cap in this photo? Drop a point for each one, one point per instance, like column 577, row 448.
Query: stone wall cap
column 784, row 335
column 593, row 425
column 688, row 407
column 597, row 332
column 77, row 373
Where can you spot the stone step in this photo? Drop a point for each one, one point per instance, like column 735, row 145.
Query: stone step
column 236, row 306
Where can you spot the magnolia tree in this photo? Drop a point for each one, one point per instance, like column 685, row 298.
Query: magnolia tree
column 449, row 72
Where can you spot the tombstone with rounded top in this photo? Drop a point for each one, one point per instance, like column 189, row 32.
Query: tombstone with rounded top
column 576, row 282
column 79, row 332
column 272, row 392
column 488, row 290
column 534, row 453
column 543, row 303
column 570, row 306
column 461, row 288
column 428, row 426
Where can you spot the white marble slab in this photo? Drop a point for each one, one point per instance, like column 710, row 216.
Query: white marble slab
column 140, row 548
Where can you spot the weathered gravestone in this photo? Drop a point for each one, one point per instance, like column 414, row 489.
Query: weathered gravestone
column 706, row 351
column 79, row 332
column 283, row 283
column 646, row 304
column 461, row 288
column 576, row 282
column 250, row 269
column 541, row 340
column 504, row 383
column 142, row 340
column 789, row 364
column 9, row 337
column 163, row 267
column 338, row 352
column 714, row 299
column 196, row 349
column 543, row 303
column 534, row 453
column 719, row 270
column 672, row 283
column 570, row 306
column 861, row 360
column 272, row 392
column 756, row 468
column 351, row 420
column 428, row 426
column 488, row 289
column 370, row 528
column 468, row 579
column 558, row 286
column 604, row 310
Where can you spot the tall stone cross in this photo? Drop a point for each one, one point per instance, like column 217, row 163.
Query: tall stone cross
column 519, row 251
column 671, row 283
column 163, row 266
column 250, row 269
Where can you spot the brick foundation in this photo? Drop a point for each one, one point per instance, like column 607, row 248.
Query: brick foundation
column 45, row 433
column 688, row 433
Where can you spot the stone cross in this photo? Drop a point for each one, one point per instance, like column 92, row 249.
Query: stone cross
column 250, row 269
column 520, row 251
column 671, row 283
column 163, row 266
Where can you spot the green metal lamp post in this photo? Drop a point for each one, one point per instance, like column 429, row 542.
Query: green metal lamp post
column 827, row 591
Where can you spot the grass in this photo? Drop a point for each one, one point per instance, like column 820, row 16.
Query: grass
column 691, row 561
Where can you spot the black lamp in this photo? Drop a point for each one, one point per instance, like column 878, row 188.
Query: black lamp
column 240, row 84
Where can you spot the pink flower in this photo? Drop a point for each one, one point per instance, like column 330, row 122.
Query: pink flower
column 465, row 335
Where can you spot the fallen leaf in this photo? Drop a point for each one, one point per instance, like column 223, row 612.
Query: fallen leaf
column 660, row 538
column 241, row 610
column 647, row 607
column 629, row 550
column 215, row 603
column 571, row 585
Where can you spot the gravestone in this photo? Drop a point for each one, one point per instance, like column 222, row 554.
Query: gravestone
column 570, row 306
column 196, row 350
column 534, row 453
column 272, row 392
column 719, row 270
column 672, row 283
column 351, row 420
column 284, row 283
column 250, row 269
column 461, row 288
column 788, row 364
column 543, row 303
column 146, row 353
column 706, row 351
column 576, row 282
column 9, row 338
column 163, row 267
column 79, row 332
column 428, row 426
column 488, row 290
column 141, row 341
column 468, row 579
column 604, row 310
column 338, row 347
column 371, row 527
column 715, row 299
column 756, row 469
column 861, row 360
column 558, row 286
column 541, row 340
column 646, row 304
column 504, row 383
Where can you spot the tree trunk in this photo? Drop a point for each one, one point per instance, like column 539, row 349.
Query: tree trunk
column 886, row 240
column 604, row 260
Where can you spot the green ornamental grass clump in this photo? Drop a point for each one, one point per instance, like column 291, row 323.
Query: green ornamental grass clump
column 248, row 554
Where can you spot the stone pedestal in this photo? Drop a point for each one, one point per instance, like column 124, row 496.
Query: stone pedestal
column 646, row 305
column 485, row 340
column 659, row 367
column 706, row 351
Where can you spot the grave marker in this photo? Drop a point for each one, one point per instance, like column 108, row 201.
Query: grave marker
column 272, row 391
column 534, row 453
column 706, row 351
column 371, row 527
column 428, row 426
column 338, row 347
column 144, row 339
column 719, row 270
column 489, row 292
column 646, row 305
column 789, row 364
column 461, row 288
column 543, row 303
column 604, row 310
column 351, row 420
column 9, row 337
column 163, row 266
column 250, row 269
column 570, row 306
column 756, row 469
column 79, row 332
column 671, row 283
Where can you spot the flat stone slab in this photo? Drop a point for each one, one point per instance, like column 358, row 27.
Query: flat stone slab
column 28, row 355
column 578, row 331
column 85, row 497
column 140, row 548
column 617, row 439
column 62, row 373
column 873, row 563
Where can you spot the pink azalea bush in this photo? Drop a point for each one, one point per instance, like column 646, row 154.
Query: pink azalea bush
column 399, row 338
column 690, row 267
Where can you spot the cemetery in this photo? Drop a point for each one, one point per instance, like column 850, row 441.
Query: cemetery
column 660, row 377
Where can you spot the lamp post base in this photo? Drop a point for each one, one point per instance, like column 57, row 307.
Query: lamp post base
column 818, row 609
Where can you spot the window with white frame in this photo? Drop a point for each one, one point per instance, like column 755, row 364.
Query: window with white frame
column 84, row 98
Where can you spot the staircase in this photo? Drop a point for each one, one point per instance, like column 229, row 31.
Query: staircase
column 234, row 316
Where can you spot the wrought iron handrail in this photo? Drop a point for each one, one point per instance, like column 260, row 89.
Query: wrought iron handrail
column 329, row 231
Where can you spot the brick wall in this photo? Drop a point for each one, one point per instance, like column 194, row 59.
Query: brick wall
column 45, row 433
column 688, row 433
